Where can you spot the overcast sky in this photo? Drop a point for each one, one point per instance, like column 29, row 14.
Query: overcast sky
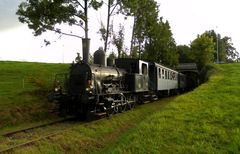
column 187, row 19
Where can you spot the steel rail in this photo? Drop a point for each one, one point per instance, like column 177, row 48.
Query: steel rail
column 30, row 142
column 9, row 134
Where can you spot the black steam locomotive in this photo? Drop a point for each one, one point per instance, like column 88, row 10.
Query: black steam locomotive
column 96, row 89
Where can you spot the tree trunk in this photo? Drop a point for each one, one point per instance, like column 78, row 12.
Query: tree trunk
column 86, row 18
column 108, row 20
column 132, row 39
column 86, row 40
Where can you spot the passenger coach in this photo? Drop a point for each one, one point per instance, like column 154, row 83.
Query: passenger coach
column 164, row 80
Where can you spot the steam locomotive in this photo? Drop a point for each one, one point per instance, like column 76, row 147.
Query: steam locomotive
column 89, row 90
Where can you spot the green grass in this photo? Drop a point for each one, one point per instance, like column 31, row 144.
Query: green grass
column 205, row 120
column 94, row 135
column 23, row 89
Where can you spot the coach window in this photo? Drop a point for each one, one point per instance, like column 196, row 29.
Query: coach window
column 159, row 72
column 166, row 77
column 144, row 69
column 162, row 73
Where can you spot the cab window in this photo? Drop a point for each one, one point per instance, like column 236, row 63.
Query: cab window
column 144, row 69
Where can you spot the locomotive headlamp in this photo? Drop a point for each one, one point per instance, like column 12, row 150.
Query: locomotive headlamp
column 58, row 87
column 89, row 89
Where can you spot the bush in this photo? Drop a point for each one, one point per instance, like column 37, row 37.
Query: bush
column 206, row 72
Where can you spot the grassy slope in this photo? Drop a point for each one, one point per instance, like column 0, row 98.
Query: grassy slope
column 205, row 120
column 20, row 100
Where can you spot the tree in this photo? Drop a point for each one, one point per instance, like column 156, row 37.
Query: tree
column 112, row 4
column 219, row 48
column 203, row 50
column 134, row 52
column 185, row 54
column 145, row 13
column 224, row 46
column 46, row 15
column 118, row 40
column 231, row 52
column 161, row 46
column 105, row 31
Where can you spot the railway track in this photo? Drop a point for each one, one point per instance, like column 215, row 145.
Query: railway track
column 11, row 133
column 12, row 140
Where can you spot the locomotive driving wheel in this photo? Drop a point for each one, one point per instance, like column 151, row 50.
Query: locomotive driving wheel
column 123, row 104
column 132, row 101
column 109, row 112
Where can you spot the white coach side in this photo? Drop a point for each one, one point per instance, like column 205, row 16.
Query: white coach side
column 167, row 79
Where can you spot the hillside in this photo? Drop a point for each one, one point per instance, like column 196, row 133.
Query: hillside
column 205, row 120
column 23, row 90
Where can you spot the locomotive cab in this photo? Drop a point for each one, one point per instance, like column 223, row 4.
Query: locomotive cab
column 138, row 76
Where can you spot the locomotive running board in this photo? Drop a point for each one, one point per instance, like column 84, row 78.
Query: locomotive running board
column 101, row 114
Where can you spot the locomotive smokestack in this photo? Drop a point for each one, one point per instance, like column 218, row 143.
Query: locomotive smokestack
column 85, row 49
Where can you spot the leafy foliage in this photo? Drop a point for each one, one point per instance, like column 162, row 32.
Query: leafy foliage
column 151, row 37
column 146, row 16
column 203, row 49
column 44, row 15
column 103, row 32
column 161, row 47
column 185, row 54
column 224, row 47
column 231, row 52
column 118, row 40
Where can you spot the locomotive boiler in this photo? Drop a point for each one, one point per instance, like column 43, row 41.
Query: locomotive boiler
column 91, row 89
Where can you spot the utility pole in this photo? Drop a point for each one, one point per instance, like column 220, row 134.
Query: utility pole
column 217, row 49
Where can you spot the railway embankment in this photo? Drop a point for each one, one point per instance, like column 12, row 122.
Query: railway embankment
column 205, row 120
column 23, row 92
